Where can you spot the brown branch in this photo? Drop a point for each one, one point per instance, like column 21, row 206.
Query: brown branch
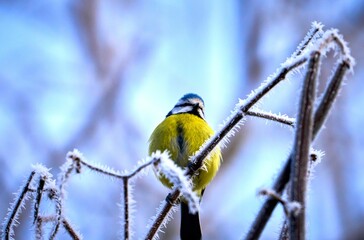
column 270, row 116
column 38, row 198
column 70, row 230
column 126, row 207
column 301, row 148
column 9, row 232
column 171, row 200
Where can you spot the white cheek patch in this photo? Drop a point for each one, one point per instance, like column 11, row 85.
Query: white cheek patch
column 182, row 109
column 200, row 112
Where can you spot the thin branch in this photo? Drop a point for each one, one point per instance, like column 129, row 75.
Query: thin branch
column 171, row 200
column 8, row 231
column 301, row 148
column 330, row 95
column 271, row 116
column 76, row 157
column 38, row 198
column 284, row 234
column 143, row 166
column 38, row 228
column 126, row 207
column 290, row 208
column 272, row 194
column 314, row 33
column 70, row 230
column 55, row 195
column 65, row 223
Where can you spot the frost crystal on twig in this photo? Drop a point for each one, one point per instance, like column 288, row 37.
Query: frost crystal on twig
column 167, row 218
column 15, row 209
column 177, row 178
column 280, row 118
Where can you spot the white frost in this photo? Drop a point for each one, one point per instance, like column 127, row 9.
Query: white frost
column 177, row 177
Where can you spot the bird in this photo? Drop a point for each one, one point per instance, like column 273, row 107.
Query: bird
column 183, row 131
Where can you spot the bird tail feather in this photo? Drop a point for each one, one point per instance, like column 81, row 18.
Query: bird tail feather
column 190, row 224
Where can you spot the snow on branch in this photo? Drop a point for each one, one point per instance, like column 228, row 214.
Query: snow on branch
column 280, row 118
column 167, row 168
column 16, row 208
column 308, row 125
column 41, row 181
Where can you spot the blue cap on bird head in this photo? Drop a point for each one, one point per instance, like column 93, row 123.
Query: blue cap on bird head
column 189, row 103
column 191, row 96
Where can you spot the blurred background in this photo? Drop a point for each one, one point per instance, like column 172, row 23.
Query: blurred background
column 100, row 75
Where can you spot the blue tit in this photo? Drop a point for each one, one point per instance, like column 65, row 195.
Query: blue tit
column 182, row 133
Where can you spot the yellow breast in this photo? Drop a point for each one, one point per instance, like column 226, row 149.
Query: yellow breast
column 182, row 135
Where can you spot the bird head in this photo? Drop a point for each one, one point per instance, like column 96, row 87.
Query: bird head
column 189, row 103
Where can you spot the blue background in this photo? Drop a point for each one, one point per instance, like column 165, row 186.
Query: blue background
column 100, row 75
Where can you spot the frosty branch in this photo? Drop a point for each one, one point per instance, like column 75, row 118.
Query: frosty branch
column 40, row 182
column 321, row 112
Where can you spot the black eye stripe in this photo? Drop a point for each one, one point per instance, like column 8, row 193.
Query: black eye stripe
column 184, row 105
column 190, row 105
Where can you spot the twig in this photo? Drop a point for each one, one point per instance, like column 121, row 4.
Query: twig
column 284, row 234
column 38, row 228
column 126, row 207
column 271, row 116
column 330, row 95
column 55, row 195
column 301, row 148
column 75, row 156
column 290, row 208
column 315, row 32
column 70, row 230
column 38, row 198
column 9, row 232
column 78, row 160
column 172, row 199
